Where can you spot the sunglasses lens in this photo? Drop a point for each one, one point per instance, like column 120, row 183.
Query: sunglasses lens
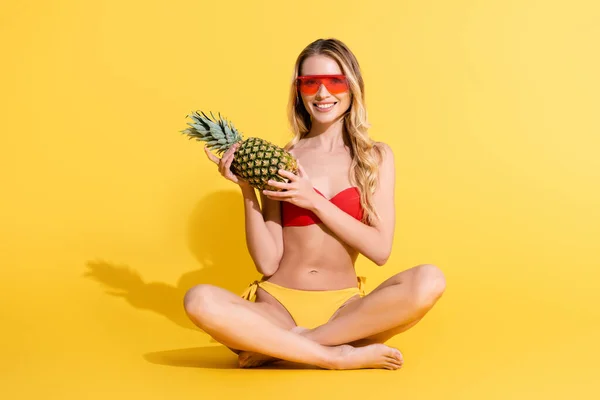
column 309, row 86
column 334, row 85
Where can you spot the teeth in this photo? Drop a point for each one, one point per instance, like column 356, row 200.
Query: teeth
column 325, row 105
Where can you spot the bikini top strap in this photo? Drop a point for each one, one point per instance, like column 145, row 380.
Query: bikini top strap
column 362, row 280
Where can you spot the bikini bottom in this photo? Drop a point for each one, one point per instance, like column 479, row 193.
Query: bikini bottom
column 308, row 308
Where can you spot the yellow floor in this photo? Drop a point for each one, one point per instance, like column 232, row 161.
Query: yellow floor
column 103, row 331
column 108, row 214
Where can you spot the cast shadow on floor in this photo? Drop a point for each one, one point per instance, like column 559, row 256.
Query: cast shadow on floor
column 212, row 357
column 215, row 240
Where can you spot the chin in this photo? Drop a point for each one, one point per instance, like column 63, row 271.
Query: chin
column 327, row 118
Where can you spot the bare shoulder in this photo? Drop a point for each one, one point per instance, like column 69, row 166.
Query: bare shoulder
column 386, row 154
column 293, row 150
column 299, row 150
column 297, row 147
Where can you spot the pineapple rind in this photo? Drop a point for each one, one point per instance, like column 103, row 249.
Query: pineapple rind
column 256, row 160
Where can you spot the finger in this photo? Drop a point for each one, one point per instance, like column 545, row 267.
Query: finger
column 287, row 174
column 280, row 185
column 211, row 156
column 229, row 174
column 232, row 149
column 224, row 158
column 228, row 164
column 229, row 160
column 222, row 166
column 277, row 195
column 272, row 193
column 225, row 162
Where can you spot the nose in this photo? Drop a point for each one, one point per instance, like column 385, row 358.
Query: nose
column 322, row 92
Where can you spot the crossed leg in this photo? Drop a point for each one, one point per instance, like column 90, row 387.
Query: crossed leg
column 245, row 326
column 394, row 306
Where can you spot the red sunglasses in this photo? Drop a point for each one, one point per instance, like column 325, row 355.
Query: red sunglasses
column 310, row 84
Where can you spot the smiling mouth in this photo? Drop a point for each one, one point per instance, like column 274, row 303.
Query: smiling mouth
column 325, row 106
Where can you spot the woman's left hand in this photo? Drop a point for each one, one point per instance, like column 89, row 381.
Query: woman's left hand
column 298, row 191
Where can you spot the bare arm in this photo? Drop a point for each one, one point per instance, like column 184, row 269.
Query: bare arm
column 374, row 242
column 264, row 236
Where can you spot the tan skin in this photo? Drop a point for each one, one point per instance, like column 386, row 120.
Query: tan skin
column 320, row 257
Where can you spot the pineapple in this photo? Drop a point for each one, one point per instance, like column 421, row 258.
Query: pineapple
column 256, row 160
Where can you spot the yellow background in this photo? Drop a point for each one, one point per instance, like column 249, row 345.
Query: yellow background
column 108, row 214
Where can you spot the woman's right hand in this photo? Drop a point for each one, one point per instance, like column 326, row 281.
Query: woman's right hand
column 224, row 164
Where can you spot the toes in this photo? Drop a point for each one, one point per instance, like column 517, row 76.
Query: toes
column 242, row 358
column 390, row 366
column 394, row 353
column 249, row 364
column 395, row 362
column 398, row 355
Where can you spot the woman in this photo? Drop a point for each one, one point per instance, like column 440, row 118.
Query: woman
column 310, row 306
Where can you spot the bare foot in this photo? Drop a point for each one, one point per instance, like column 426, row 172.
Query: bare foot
column 249, row 359
column 372, row 356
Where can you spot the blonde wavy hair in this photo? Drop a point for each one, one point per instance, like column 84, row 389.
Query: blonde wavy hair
column 365, row 152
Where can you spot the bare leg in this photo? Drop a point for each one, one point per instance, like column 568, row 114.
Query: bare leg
column 275, row 311
column 394, row 306
column 248, row 359
column 237, row 324
column 251, row 359
column 383, row 336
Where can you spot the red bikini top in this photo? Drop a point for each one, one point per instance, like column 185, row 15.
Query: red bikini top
column 348, row 200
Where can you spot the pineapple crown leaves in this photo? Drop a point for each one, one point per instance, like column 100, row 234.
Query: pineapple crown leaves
column 219, row 134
